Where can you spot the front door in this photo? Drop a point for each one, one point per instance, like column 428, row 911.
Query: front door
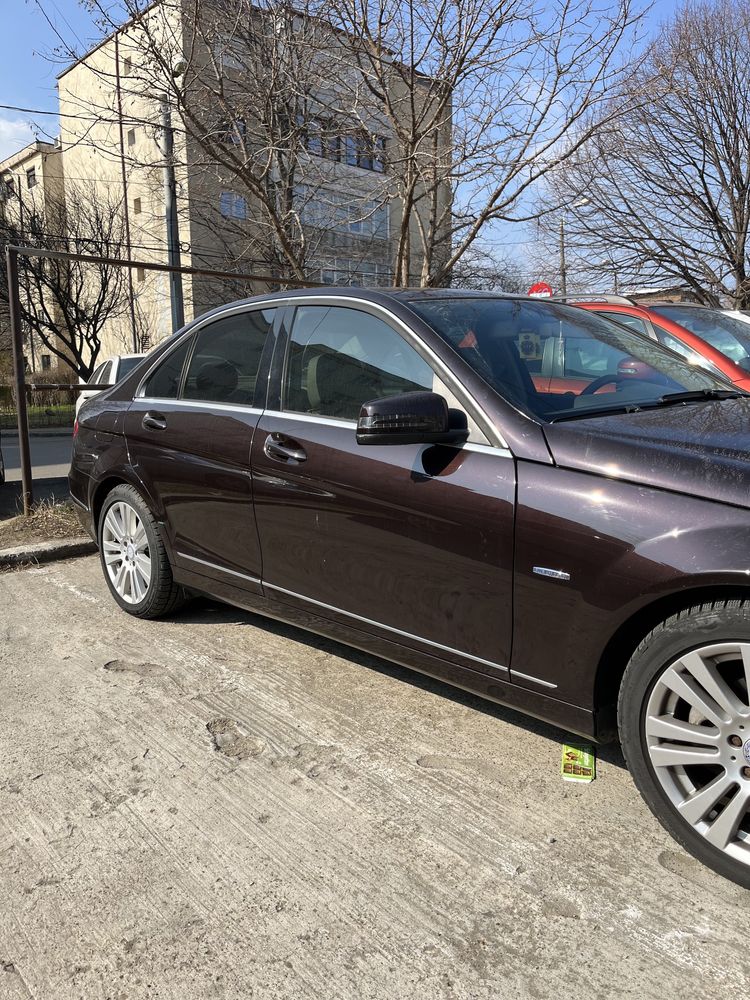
column 192, row 430
column 411, row 542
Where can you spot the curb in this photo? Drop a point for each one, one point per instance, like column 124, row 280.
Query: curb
column 40, row 552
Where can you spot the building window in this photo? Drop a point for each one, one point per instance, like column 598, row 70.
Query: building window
column 46, row 362
column 131, row 137
column 358, row 149
column 9, row 188
column 31, row 177
column 140, row 273
column 127, row 66
column 232, row 133
column 342, row 213
column 232, row 206
column 137, row 206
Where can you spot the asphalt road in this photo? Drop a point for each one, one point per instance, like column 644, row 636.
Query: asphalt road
column 217, row 806
column 50, row 454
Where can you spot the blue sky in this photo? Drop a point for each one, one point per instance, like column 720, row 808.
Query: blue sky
column 27, row 67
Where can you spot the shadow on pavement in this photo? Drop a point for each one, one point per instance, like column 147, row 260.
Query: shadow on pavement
column 203, row 610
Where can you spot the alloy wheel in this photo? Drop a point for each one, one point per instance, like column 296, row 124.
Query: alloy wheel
column 126, row 552
column 697, row 733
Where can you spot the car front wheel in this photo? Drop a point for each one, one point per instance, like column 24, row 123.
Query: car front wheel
column 684, row 718
column 133, row 556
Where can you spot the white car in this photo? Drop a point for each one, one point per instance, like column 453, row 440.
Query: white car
column 107, row 373
column 738, row 314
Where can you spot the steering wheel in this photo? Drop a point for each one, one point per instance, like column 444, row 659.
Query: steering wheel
column 615, row 379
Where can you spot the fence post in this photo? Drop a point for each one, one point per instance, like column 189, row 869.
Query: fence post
column 11, row 257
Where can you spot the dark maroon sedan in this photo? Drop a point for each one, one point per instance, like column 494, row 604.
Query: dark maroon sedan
column 382, row 467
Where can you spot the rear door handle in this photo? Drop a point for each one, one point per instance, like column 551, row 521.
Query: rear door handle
column 153, row 421
column 283, row 449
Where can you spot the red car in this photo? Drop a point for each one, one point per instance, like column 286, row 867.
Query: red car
column 656, row 323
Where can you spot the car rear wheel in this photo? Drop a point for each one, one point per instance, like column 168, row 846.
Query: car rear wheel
column 133, row 556
column 684, row 718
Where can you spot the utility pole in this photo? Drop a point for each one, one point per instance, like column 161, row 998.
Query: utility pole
column 125, row 206
column 173, row 230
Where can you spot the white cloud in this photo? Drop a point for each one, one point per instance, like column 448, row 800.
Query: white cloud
column 14, row 135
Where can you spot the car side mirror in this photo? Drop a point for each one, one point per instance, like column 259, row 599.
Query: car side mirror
column 411, row 418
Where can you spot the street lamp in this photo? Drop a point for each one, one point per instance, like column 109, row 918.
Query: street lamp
column 563, row 268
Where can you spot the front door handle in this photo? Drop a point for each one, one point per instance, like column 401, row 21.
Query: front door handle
column 283, row 449
column 153, row 421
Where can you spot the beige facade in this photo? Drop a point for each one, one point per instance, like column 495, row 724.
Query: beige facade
column 112, row 141
column 31, row 184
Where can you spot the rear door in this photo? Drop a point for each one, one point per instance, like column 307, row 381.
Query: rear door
column 410, row 542
column 190, row 430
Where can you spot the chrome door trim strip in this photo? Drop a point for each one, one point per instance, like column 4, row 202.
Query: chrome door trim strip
column 387, row 628
column 220, row 569
column 534, row 680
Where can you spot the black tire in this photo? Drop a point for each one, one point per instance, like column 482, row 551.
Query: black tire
column 648, row 679
column 162, row 595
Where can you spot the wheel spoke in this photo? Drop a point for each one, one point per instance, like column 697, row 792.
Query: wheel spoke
column 678, row 755
column 724, row 827
column 745, row 651
column 702, row 801
column 140, row 538
column 111, row 558
column 688, row 689
column 666, row 727
column 708, row 676
column 119, row 580
column 136, row 590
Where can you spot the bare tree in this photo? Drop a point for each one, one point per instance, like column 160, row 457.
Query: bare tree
column 457, row 107
column 484, row 99
column 668, row 184
column 66, row 304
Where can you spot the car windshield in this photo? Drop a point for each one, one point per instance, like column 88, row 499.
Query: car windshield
column 729, row 335
column 553, row 360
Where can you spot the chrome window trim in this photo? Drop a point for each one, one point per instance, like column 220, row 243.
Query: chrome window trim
column 345, row 300
column 195, row 326
column 221, row 569
column 200, row 404
column 343, row 423
column 409, row 336
column 387, row 628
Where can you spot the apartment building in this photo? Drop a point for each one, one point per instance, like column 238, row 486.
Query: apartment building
column 331, row 178
column 31, row 183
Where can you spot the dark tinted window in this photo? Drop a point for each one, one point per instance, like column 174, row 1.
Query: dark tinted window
column 106, row 375
column 164, row 382
column 340, row 358
column 515, row 344
column 126, row 366
column 225, row 362
column 96, row 374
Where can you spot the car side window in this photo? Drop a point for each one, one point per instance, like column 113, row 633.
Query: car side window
column 164, row 381
column 96, row 377
column 106, row 374
column 632, row 322
column 226, row 358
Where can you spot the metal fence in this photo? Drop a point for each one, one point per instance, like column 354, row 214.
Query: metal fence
column 34, row 404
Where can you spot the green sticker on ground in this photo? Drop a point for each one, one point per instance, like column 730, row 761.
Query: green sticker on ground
column 578, row 762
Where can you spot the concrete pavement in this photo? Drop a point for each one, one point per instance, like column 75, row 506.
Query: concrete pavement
column 218, row 806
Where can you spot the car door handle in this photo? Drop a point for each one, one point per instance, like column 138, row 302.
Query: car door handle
column 154, row 421
column 283, row 449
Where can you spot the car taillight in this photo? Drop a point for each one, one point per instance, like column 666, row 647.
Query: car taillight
column 75, row 430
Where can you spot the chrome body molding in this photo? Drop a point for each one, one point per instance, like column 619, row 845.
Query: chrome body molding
column 218, row 569
column 387, row 628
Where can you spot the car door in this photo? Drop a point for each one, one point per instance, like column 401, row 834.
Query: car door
column 189, row 432
column 411, row 542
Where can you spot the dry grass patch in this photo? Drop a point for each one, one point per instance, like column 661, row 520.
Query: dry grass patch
column 48, row 520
